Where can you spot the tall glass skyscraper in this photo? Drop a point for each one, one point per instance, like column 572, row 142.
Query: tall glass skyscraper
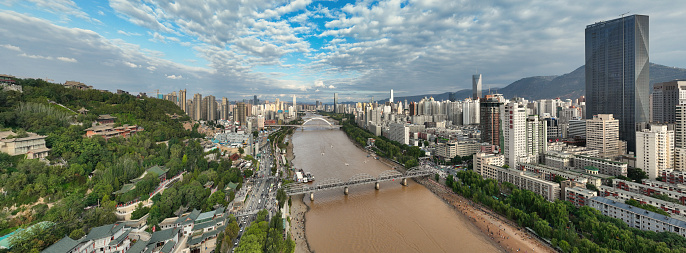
column 617, row 69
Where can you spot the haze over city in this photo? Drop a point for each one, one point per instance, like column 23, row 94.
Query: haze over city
column 311, row 48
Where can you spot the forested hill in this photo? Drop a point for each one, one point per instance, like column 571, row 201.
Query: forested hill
column 84, row 172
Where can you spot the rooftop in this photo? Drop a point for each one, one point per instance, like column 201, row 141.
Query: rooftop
column 63, row 245
column 649, row 214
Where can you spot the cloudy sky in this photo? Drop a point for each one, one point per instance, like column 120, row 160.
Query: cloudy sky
column 275, row 48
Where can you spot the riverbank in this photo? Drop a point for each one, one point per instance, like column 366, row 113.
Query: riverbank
column 297, row 210
column 507, row 235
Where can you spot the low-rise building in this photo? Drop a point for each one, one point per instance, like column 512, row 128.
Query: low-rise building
column 110, row 131
column 607, row 167
column 579, row 196
column 558, row 159
column 648, row 190
column 524, row 180
column 637, row 217
column 32, row 145
column 482, row 159
column 77, row 85
column 670, row 207
column 673, row 176
column 585, row 176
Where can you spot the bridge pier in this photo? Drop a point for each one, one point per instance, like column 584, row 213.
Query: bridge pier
column 311, row 196
column 376, row 185
column 404, row 182
column 345, row 190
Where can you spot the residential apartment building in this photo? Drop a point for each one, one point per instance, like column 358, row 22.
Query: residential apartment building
column 604, row 166
column 637, row 217
column 588, row 176
column 665, row 97
column 579, row 196
column 490, row 119
column 522, row 179
column 399, row 132
column 602, row 134
column 655, row 150
column 648, row 190
column 480, row 160
column 676, row 210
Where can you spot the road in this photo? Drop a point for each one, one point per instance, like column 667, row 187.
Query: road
column 262, row 193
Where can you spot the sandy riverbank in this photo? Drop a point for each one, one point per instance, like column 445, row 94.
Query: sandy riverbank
column 509, row 237
column 298, row 210
column 297, row 228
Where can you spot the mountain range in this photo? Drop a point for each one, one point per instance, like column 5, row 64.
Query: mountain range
column 570, row 85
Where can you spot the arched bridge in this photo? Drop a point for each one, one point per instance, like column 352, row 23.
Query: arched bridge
column 329, row 123
column 359, row 179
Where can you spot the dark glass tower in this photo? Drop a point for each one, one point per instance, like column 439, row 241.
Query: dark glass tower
column 617, row 73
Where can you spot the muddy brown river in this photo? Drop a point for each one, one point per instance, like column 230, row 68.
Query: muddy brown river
column 395, row 218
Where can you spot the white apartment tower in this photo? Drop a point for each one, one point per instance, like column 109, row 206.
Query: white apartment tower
column 655, row 150
column 391, row 99
column 602, row 134
column 514, row 133
column 295, row 108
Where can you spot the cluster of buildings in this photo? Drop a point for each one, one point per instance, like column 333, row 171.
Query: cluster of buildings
column 253, row 112
column 621, row 130
column 190, row 232
column 105, row 127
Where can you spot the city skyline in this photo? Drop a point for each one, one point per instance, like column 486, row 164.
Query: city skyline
column 305, row 48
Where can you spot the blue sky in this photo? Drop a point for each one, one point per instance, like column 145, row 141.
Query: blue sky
column 309, row 48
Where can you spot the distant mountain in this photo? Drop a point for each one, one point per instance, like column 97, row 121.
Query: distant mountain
column 570, row 85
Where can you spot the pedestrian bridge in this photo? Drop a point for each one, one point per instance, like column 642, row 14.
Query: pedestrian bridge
column 359, row 179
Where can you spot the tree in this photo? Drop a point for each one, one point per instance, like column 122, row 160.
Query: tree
column 636, row 174
column 281, row 197
column 77, row 234
column 241, row 151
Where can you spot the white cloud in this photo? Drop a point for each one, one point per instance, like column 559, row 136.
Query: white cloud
column 130, row 64
column 332, row 87
column 128, row 33
column 11, row 47
column 318, row 83
column 151, row 68
column 33, row 56
column 101, row 13
column 174, row 77
column 67, row 59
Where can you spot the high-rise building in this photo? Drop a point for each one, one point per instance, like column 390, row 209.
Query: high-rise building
column 335, row 102
column 197, row 107
column 617, row 69
column 224, row 109
column 665, row 97
column 391, row 99
column 240, row 113
column 476, row 86
column 655, row 150
column 490, row 119
column 255, row 101
column 602, row 134
column 295, row 108
column 182, row 100
column 514, row 133
column 211, row 105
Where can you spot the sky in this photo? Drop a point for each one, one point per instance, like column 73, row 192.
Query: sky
column 312, row 49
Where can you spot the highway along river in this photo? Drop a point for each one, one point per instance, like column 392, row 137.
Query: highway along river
column 395, row 218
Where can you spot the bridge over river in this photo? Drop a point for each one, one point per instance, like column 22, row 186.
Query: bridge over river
column 359, row 179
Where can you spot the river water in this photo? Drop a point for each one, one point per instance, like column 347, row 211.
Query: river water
column 395, row 218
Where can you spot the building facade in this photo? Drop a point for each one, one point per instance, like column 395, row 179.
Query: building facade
column 617, row 72
column 602, row 134
column 655, row 150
